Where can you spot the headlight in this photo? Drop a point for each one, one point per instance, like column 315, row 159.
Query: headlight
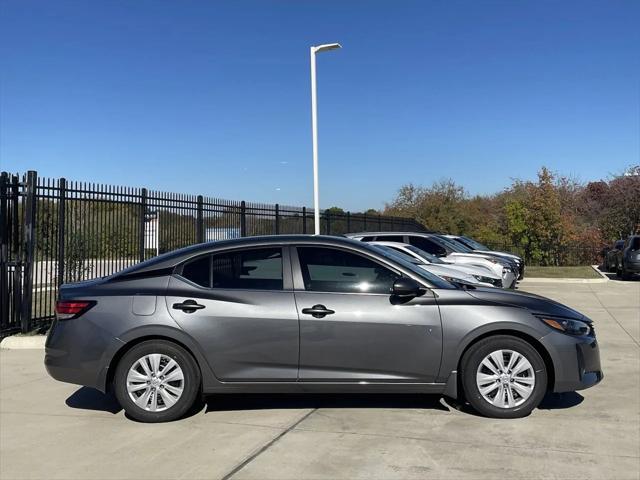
column 567, row 325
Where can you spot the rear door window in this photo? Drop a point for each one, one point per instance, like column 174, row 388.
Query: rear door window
column 255, row 269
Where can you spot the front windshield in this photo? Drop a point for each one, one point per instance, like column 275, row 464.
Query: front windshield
column 434, row 280
column 404, row 256
column 456, row 246
column 470, row 242
column 426, row 255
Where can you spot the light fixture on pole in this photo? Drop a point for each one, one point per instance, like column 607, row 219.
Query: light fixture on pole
column 314, row 129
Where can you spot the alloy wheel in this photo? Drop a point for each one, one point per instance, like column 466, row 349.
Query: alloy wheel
column 155, row 382
column 505, row 378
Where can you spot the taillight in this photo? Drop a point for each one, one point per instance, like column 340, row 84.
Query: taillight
column 68, row 309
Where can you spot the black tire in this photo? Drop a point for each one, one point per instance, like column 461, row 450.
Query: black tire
column 476, row 354
column 625, row 275
column 190, row 383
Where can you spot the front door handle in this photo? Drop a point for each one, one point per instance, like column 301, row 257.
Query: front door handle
column 318, row 311
column 188, row 306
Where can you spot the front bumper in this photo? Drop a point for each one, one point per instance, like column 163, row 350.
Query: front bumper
column 576, row 361
column 521, row 271
column 508, row 279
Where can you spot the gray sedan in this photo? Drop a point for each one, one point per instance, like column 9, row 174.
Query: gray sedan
column 311, row 314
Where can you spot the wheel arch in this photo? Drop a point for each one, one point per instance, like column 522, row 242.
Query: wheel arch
column 206, row 376
column 531, row 340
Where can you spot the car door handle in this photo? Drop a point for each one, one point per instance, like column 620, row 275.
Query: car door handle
column 188, row 306
column 318, row 311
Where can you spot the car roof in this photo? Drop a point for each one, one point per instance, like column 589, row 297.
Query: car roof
column 173, row 258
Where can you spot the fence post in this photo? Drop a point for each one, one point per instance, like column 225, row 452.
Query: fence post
column 304, row 219
column 199, row 221
column 143, row 212
column 4, row 251
column 364, row 219
column 29, row 253
column 62, row 195
column 327, row 214
column 348, row 222
column 277, row 225
column 379, row 222
column 243, row 219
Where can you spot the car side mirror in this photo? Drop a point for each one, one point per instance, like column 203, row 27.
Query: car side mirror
column 406, row 287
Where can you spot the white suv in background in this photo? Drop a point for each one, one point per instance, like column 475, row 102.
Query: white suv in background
column 482, row 276
column 447, row 250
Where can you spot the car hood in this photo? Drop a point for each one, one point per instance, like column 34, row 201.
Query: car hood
column 441, row 270
column 507, row 255
column 534, row 303
column 472, row 270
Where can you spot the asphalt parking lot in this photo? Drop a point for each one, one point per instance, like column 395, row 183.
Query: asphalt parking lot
column 53, row 430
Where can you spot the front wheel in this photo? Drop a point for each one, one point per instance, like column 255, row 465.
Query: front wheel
column 157, row 381
column 503, row 377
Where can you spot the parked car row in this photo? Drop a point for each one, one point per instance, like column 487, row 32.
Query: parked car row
column 304, row 313
column 623, row 257
column 451, row 253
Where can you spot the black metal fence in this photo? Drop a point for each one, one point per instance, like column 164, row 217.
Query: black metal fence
column 54, row 231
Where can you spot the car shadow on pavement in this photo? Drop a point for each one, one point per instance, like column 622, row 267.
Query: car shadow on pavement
column 87, row 398
column 558, row 401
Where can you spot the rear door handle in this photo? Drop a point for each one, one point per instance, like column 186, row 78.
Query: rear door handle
column 317, row 311
column 188, row 306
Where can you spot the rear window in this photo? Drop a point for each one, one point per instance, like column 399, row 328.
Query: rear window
column 635, row 243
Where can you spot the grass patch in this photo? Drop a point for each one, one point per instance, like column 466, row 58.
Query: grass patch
column 561, row 272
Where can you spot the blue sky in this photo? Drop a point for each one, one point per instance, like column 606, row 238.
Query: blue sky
column 213, row 97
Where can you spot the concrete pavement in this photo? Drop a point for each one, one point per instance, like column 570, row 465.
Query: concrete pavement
column 54, row 430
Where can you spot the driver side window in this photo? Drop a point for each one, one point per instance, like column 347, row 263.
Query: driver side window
column 331, row 270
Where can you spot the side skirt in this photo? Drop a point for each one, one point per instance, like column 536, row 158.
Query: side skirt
column 326, row 387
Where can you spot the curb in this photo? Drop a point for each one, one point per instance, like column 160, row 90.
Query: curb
column 603, row 279
column 602, row 274
column 20, row 342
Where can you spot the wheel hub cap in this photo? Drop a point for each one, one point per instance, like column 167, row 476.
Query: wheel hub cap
column 155, row 382
column 505, row 378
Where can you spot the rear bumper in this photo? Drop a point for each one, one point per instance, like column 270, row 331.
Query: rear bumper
column 576, row 361
column 77, row 351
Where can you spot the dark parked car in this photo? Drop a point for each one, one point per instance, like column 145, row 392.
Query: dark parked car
column 612, row 256
column 629, row 258
column 311, row 314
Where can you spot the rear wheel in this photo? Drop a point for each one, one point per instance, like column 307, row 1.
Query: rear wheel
column 503, row 377
column 625, row 274
column 156, row 381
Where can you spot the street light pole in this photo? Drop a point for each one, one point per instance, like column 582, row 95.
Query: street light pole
column 314, row 130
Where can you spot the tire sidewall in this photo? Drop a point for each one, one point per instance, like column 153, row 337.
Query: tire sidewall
column 478, row 352
column 191, row 381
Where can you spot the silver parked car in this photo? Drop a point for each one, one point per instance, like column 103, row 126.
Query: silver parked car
column 483, row 276
column 311, row 314
column 448, row 250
